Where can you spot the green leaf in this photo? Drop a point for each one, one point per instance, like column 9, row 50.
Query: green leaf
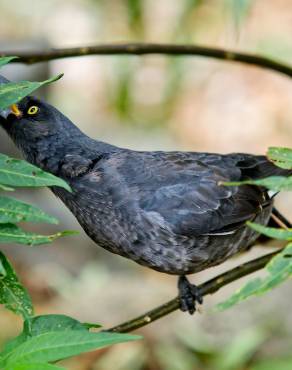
column 53, row 337
column 56, row 345
column 3, row 272
column 47, row 323
column 13, row 92
column 40, row 325
column 15, row 172
column 10, row 233
column 34, row 366
column 276, row 183
column 6, row 188
column 282, row 157
column 13, row 211
column 89, row 325
column 5, row 60
column 12, row 294
column 278, row 270
column 272, row 232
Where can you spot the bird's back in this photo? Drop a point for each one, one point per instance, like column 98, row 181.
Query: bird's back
column 167, row 210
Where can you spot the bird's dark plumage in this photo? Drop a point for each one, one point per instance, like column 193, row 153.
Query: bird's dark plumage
column 164, row 210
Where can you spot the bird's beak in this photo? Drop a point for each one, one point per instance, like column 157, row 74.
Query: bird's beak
column 13, row 109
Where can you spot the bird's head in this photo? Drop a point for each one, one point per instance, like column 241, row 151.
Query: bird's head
column 31, row 120
column 42, row 132
column 33, row 123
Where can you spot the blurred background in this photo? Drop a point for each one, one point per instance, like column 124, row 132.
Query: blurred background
column 163, row 103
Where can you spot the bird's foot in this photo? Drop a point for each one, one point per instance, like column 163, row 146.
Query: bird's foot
column 189, row 295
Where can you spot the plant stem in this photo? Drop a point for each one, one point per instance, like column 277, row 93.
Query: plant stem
column 30, row 57
column 209, row 287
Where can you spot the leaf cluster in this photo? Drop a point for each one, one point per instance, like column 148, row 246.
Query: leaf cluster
column 48, row 338
column 279, row 269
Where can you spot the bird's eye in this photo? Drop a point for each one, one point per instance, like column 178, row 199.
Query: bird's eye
column 32, row 110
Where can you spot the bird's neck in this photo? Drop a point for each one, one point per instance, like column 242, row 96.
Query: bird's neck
column 50, row 152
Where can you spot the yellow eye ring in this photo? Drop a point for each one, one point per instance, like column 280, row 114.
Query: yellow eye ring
column 32, row 110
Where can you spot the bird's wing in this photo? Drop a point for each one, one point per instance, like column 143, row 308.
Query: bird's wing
column 184, row 189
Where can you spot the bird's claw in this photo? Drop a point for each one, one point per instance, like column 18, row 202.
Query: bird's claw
column 189, row 295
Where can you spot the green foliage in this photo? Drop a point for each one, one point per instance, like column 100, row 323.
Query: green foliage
column 34, row 366
column 282, row 157
column 276, row 183
column 10, row 233
column 15, row 172
column 47, row 338
column 5, row 60
column 13, row 92
column 279, row 269
column 272, row 232
column 12, row 294
column 6, row 188
column 50, row 338
column 12, row 211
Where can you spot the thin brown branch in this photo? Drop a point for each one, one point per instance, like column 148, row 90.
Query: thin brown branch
column 209, row 287
column 30, row 57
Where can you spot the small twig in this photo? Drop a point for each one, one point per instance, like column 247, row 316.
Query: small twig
column 279, row 222
column 209, row 287
column 30, row 57
column 280, row 219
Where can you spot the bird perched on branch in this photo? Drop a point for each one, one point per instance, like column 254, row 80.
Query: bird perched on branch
column 163, row 210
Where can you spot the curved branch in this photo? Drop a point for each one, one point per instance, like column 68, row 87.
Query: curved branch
column 30, row 57
column 209, row 287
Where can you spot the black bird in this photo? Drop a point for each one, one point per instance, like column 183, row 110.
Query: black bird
column 163, row 210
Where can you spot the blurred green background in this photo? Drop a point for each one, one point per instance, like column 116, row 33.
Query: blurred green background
column 156, row 102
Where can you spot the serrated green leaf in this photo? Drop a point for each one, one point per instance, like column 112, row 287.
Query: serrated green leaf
column 272, row 232
column 5, row 60
column 16, row 172
column 34, row 366
column 276, row 183
column 282, row 157
column 13, row 92
column 278, row 270
column 13, row 211
column 56, row 345
column 10, row 233
column 12, row 294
